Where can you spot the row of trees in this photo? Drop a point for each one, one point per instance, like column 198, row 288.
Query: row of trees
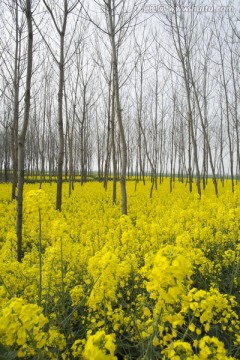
column 116, row 90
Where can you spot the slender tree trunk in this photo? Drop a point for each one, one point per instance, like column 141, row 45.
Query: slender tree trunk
column 83, row 148
column 205, row 134
column 226, row 95
column 235, row 115
column 22, row 135
column 61, row 67
column 118, row 108
column 108, row 150
column 184, row 57
column 16, row 108
column 114, row 162
column 228, row 125
column 60, row 125
column 221, row 148
column 42, row 149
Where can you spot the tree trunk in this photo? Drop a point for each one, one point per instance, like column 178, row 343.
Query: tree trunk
column 118, row 109
column 16, row 110
column 60, row 125
column 22, row 135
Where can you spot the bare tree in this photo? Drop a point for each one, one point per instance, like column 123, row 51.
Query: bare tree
column 119, row 19
column 60, row 24
column 13, row 66
column 224, row 80
column 26, row 7
column 183, row 30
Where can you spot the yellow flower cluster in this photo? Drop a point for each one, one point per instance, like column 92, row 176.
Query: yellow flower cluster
column 21, row 326
column 100, row 347
column 160, row 283
column 209, row 348
column 170, row 277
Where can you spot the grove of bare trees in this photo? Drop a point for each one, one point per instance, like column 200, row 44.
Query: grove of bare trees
column 116, row 89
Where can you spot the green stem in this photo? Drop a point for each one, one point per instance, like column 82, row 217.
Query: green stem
column 40, row 255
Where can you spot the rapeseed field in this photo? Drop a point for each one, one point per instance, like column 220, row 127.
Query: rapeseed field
column 160, row 283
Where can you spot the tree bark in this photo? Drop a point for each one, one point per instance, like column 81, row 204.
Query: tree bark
column 118, row 107
column 60, row 123
column 16, row 110
column 22, row 135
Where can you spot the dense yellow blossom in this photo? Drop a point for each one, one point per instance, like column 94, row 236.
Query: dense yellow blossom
column 100, row 347
column 160, row 283
column 21, row 326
